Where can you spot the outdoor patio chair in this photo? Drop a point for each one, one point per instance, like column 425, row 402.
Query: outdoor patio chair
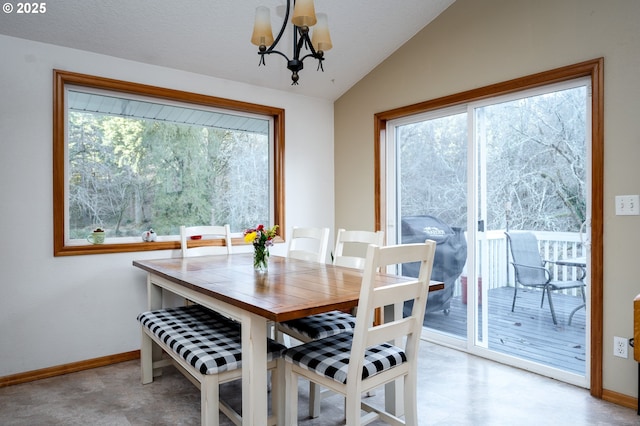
column 531, row 271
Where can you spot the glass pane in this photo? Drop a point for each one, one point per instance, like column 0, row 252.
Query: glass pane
column 431, row 163
column 137, row 164
column 531, row 185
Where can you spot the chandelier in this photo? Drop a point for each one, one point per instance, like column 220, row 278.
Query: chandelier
column 304, row 16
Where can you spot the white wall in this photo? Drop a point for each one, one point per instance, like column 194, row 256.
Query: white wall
column 55, row 311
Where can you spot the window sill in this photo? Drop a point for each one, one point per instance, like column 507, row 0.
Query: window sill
column 79, row 248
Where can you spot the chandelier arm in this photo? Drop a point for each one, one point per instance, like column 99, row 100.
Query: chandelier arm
column 298, row 44
column 304, row 41
column 310, row 55
column 309, row 45
column 284, row 26
column 268, row 52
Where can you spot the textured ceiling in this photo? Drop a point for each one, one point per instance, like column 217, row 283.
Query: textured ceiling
column 211, row 37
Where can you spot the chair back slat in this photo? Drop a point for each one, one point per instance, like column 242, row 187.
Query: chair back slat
column 389, row 331
column 308, row 244
column 204, row 232
column 351, row 247
column 404, row 291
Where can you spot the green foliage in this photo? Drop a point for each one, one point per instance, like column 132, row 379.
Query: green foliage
column 128, row 175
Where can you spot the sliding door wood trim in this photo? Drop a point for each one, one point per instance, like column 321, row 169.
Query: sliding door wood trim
column 592, row 69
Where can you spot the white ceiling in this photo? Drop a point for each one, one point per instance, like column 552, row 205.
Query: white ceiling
column 212, row 37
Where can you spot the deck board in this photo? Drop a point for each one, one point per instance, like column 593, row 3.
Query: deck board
column 528, row 332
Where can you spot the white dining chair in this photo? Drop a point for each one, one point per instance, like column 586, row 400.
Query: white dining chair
column 351, row 247
column 308, row 244
column 350, row 251
column 352, row 363
column 197, row 233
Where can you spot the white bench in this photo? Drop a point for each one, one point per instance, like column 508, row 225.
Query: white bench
column 206, row 347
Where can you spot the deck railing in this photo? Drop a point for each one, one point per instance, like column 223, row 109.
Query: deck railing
column 553, row 246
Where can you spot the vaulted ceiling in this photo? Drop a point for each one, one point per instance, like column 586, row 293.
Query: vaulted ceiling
column 212, row 37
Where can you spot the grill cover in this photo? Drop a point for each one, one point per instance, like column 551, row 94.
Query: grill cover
column 450, row 257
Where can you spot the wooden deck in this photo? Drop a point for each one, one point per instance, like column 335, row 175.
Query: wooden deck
column 528, row 332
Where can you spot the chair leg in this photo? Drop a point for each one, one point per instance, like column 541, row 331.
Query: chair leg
column 410, row 399
column 553, row 312
column 584, row 305
column 352, row 409
column 146, row 359
column 278, row 391
column 515, row 291
column 291, row 391
column 315, row 397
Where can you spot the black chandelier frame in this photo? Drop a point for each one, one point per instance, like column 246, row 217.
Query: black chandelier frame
column 300, row 40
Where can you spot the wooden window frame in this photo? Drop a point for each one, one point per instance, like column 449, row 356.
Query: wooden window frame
column 63, row 78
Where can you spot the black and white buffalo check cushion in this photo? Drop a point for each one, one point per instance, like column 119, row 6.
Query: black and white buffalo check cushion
column 208, row 341
column 322, row 325
column 329, row 357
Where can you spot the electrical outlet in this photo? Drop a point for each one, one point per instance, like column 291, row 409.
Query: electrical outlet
column 620, row 347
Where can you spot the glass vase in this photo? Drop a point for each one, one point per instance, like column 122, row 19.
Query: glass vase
column 261, row 259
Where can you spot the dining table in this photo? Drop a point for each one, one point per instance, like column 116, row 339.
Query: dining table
column 289, row 289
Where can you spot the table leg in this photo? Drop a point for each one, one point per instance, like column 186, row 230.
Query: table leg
column 254, row 370
column 154, row 294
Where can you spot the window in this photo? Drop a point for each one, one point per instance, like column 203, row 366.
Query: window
column 130, row 157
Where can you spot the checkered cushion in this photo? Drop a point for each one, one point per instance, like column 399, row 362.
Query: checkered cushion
column 322, row 325
column 208, row 341
column 330, row 356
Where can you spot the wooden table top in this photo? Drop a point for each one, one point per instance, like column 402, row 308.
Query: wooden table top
column 290, row 289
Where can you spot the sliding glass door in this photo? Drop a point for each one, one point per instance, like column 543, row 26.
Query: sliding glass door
column 470, row 176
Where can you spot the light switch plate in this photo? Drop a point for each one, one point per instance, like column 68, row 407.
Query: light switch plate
column 627, row 205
